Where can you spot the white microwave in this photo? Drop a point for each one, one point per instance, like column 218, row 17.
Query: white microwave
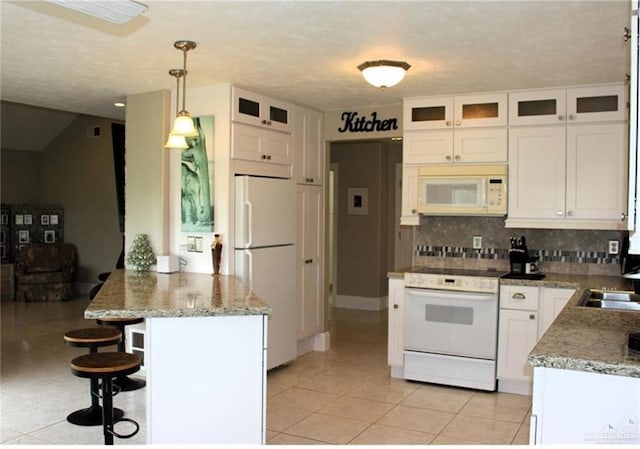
column 463, row 190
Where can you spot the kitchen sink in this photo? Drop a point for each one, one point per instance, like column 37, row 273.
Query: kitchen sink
column 610, row 299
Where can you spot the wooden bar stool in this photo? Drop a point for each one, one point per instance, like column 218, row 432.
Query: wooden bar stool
column 105, row 366
column 124, row 383
column 92, row 338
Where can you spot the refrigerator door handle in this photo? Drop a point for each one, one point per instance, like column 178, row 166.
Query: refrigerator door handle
column 250, row 267
column 249, row 235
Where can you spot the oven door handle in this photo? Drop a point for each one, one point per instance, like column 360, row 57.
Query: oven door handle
column 473, row 296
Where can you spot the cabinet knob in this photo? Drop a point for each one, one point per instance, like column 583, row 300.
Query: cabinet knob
column 532, row 317
column 559, row 213
column 448, row 123
column 263, row 157
column 395, row 306
column 457, row 122
column 561, row 118
column 623, row 216
column 627, row 34
column 572, row 117
column 264, row 122
column 448, row 158
column 268, row 157
column 457, row 158
column 570, row 213
column 413, row 211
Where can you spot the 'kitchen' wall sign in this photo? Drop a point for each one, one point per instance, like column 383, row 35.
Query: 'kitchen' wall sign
column 354, row 124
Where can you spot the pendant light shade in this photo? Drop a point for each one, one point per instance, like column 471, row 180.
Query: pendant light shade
column 183, row 125
column 175, row 142
column 383, row 73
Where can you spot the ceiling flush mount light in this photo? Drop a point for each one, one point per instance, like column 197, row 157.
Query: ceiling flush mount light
column 114, row 11
column 175, row 141
column 183, row 124
column 383, row 73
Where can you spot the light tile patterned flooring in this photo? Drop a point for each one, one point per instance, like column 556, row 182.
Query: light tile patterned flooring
column 341, row 396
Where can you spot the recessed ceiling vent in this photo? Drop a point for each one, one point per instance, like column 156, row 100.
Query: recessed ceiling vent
column 94, row 132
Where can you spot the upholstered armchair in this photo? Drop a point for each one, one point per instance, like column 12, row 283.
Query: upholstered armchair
column 44, row 272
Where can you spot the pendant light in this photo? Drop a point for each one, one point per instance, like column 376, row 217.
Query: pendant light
column 175, row 141
column 183, row 124
column 383, row 73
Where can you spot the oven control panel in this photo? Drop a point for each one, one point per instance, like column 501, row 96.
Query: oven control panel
column 444, row 282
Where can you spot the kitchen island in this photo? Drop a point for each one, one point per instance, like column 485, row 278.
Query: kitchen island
column 205, row 353
column 586, row 382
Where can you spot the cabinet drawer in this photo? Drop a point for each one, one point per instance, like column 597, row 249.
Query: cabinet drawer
column 518, row 297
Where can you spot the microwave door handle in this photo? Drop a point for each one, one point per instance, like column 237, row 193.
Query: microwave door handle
column 483, row 194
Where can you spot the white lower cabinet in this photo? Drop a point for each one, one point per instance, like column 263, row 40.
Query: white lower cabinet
column 526, row 312
column 395, row 343
column 577, row 407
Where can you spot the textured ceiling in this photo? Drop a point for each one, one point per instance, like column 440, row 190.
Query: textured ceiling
column 307, row 52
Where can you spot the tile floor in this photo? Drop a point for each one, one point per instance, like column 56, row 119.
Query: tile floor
column 341, row 396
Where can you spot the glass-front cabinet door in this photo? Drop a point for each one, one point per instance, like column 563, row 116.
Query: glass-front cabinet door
column 596, row 104
column 258, row 110
column 428, row 113
column 480, row 110
column 540, row 107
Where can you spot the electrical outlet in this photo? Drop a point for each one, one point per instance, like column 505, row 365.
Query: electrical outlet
column 613, row 247
column 477, row 242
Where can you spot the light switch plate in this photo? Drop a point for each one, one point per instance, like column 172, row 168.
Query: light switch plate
column 614, row 247
column 477, row 242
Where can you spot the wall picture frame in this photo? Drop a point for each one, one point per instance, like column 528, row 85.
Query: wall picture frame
column 23, row 236
column 5, row 220
column 44, row 220
column 358, row 201
column 53, row 219
column 28, row 219
column 19, row 219
column 49, row 236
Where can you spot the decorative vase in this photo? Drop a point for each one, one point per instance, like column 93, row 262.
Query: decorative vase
column 140, row 257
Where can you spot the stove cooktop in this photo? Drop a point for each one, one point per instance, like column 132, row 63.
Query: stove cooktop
column 459, row 272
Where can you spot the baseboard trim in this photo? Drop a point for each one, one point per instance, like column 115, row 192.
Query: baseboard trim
column 317, row 342
column 361, row 302
column 513, row 386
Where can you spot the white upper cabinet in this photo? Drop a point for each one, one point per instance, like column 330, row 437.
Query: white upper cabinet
column 465, row 111
column 568, row 177
column 596, row 104
column 566, row 106
column 308, row 146
column 259, row 110
column 409, row 210
column 260, row 145
column 540, row 107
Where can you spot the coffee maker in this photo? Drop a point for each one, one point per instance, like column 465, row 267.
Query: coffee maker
column 522, row 264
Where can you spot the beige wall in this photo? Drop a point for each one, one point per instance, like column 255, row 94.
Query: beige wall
column 147, row 170
column 362, row 239
column 77, row 172
column 20, row 176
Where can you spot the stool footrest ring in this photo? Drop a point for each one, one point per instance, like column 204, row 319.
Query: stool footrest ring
column 116, row 434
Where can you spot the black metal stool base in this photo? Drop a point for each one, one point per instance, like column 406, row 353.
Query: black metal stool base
column 91, row 416
column 126, row 383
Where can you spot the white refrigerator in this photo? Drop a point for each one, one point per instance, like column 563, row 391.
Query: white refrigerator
column 265, row 256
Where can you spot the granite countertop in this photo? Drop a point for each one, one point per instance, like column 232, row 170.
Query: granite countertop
column 588, row 339
column 128, row 294
column 581, row 338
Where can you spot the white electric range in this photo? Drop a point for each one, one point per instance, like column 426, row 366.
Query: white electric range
column 451, row 327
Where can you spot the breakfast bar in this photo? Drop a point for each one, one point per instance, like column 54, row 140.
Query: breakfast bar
column 205, row 353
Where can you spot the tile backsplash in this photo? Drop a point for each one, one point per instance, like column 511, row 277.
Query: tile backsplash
column 447, row 242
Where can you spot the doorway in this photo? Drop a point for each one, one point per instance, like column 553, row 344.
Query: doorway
column 363, row 240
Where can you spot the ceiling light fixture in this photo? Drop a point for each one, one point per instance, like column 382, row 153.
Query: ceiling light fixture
column 183, row 124
column 114, row 11
column 175, row 141
column 383, row 73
